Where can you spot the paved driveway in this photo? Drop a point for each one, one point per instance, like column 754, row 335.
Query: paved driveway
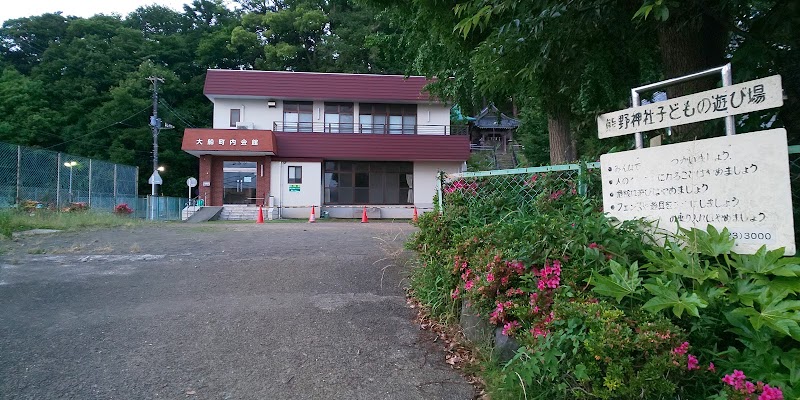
column 215, row 311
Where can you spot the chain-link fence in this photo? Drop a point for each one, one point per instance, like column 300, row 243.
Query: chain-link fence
column 56, row 180
column 160, row 208
column 492, row 194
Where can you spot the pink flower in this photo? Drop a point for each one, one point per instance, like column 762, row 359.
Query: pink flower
column 592, row 245
column 682, row 349
column 771, row 393
column 454, row 294
column 490, row 277
column 537, row 332
column 510, row 327
column 749, row 387
column 691, row 362
column 736, row 379
column 468, row 285
column 711, row 367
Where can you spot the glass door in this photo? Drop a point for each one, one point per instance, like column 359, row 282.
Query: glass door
column 239, row 183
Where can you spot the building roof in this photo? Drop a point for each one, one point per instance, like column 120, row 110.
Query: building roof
column 327, row 146
column 491, row 118
column 316, row 86
column 364, row 147
column 229, row 142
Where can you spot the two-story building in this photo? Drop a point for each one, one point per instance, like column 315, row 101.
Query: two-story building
column 338, row 142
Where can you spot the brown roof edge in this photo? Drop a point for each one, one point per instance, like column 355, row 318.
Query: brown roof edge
column 317, row 86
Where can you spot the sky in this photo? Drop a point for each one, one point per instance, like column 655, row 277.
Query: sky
column 11, row 9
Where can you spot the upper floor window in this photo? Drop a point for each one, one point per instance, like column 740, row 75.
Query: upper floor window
column 388, row 118
column 298, row 116
column 236, row 116
column 339, row 117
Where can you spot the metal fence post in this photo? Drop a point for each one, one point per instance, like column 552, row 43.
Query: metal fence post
column 441, row 193
column 90, row 183
column 115, row 185
column 581, row 179
column 19, row 172
column 58, row 181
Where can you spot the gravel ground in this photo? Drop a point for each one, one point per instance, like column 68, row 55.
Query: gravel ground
column 215, row 311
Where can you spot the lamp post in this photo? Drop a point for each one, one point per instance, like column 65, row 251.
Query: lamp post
column 70, row 165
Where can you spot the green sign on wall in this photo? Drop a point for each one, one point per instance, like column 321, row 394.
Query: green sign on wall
column 294, row 188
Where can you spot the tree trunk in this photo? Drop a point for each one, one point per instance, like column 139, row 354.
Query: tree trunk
column 688, row 45
column 562, row 144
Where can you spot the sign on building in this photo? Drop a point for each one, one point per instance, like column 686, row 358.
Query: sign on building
column 759, row 94
column 740, row 182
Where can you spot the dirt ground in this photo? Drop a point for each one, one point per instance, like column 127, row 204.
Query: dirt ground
column 215, row 311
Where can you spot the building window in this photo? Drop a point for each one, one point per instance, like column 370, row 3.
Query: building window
column 387, row 118
column 295, row 174
column 298, row 116
column 339, row 117
column 374, row 183
column 236, row 116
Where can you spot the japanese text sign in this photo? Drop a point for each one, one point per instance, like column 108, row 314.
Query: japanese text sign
column 738, row 182
column 759, row 94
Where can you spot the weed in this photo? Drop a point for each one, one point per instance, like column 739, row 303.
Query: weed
column 16, row 221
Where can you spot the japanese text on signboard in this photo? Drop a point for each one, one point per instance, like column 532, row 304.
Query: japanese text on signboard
column 737, row 99
column 737, row 182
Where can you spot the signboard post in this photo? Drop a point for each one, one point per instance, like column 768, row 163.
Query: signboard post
column 191, row 182
column 739, row 182
column 746, row 97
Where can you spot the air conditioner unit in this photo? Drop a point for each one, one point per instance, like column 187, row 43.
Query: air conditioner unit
column 244, row 125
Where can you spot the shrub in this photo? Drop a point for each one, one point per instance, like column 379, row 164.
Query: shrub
column 76, row 207
column 743, row 310
column 600, row 310
column 123, row 209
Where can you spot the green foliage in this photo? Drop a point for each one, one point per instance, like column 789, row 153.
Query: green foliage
column 602, row 309
column 595, row 350
column 749, row 298
column 16, row 220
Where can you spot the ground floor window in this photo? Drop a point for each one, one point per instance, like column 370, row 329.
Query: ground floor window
column 295, row 174
column 360, row 182
column 239, row 182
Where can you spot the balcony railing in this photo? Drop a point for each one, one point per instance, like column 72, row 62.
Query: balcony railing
column 379, row 129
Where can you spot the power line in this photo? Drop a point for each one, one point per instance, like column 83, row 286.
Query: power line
column 175, row 113
column 101, row 129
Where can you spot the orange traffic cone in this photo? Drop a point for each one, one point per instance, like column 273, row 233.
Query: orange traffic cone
column 313, row 217
column 260, row 218
column 364, row 218
column 415, row 217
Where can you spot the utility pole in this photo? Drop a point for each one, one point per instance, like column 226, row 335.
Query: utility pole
column 155, row 125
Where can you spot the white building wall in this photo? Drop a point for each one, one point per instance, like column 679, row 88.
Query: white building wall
column 436, row 115
column 252, row 110
column 432, row 119
column 296, row 204
column 426, row 181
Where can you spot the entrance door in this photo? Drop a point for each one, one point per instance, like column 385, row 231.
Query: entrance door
column 239, row 183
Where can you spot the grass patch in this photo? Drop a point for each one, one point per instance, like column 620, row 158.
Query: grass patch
column 16, row 221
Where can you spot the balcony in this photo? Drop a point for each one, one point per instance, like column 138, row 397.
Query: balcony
column 369, row 129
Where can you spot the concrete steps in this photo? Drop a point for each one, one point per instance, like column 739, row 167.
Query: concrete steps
column 239, row 212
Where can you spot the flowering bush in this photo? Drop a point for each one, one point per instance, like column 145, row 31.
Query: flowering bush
column 123, row 209
column 601, row 312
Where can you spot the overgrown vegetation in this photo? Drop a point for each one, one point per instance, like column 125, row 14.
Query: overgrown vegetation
column 601, row 310
column 12, row 220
